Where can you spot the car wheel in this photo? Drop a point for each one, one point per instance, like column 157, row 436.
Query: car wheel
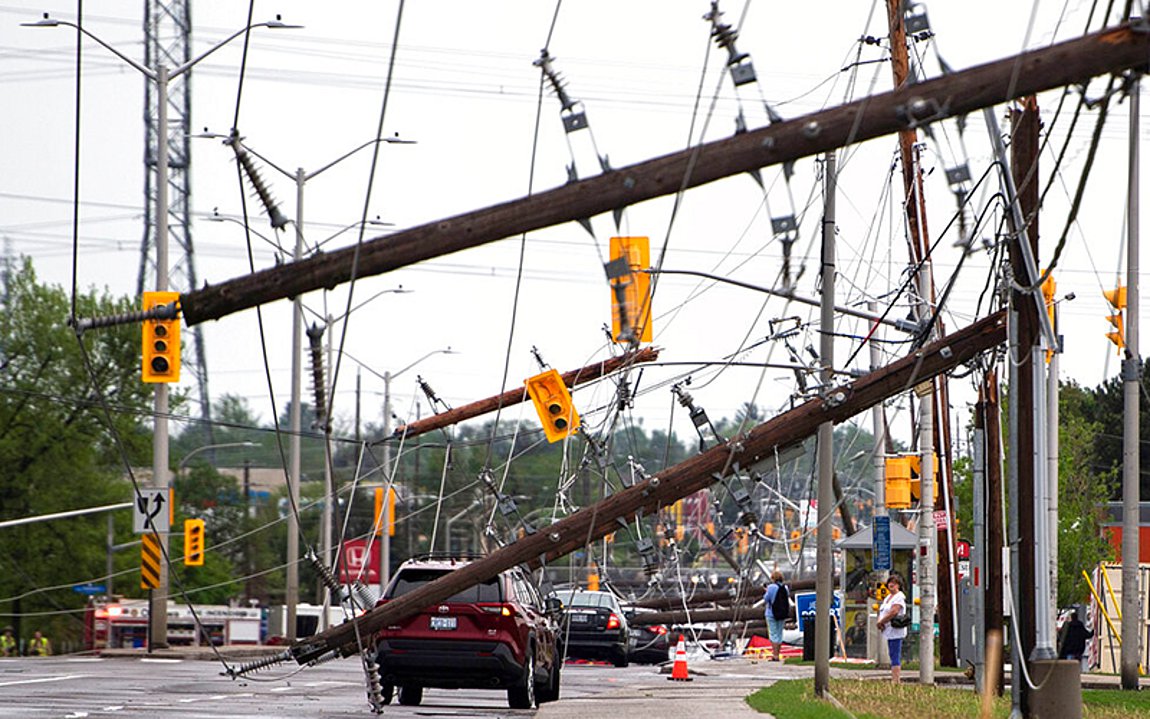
column 410, row 695
column 621, row 659
column 551, row 692
column 522, row 696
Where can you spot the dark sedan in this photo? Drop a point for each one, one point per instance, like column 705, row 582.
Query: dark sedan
column 594, row 626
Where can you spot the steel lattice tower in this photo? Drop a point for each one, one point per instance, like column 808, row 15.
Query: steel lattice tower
column 167, row 41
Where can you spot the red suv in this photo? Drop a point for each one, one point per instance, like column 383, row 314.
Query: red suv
column 496, row 635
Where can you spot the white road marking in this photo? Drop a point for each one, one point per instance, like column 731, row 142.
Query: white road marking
column 112, row 708
column 157, row 660
column 43, row 680
column 76, row 715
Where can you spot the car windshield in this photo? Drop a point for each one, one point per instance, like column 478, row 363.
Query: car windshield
column 411, row 579
column 584, row 599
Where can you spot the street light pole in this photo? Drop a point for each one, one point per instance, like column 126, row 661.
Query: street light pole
column 385, row 538
column 158, row 598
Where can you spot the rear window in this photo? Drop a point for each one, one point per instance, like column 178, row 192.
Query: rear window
column 411, row 579
column 585, row 599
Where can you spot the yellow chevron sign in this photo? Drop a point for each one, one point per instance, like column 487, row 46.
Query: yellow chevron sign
column 150, row 556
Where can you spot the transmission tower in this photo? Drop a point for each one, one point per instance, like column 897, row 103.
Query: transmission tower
column 167, row 41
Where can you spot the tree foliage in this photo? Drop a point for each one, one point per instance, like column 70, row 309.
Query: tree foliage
column 60, row 449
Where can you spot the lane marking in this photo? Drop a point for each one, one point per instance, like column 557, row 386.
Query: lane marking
column 43, row 680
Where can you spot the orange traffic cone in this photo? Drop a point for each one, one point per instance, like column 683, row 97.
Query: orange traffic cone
column 679, row 671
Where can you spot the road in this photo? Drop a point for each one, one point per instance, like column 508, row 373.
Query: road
column 142, row 688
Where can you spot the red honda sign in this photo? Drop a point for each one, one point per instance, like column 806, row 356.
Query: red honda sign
column 357, row 562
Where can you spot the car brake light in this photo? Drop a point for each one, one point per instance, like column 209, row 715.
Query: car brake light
column 613, row 621
column 505, row 610
column 660, row 629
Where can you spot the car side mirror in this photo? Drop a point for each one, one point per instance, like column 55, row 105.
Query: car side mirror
column 553, row 604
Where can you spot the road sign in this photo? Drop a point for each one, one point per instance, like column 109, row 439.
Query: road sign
column 152, row 510
column 880, row 540
column 150, row 556
column 941, row 519
column 90, row 588
column 805, row 606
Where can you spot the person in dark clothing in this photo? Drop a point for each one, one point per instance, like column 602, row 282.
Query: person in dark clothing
column 1074, row 641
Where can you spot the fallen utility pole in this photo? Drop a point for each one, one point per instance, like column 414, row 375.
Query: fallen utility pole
column 512, row 397
column 716, row 596
column 1067, row 63
column 692, row 475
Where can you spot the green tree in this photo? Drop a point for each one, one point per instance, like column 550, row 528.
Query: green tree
column 59, row 450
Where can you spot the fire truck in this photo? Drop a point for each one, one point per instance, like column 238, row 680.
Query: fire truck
column 116, row 623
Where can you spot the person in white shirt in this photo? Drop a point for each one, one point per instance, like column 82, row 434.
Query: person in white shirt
column 892, row 606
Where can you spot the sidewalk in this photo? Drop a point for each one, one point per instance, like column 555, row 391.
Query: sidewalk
column 719, row 689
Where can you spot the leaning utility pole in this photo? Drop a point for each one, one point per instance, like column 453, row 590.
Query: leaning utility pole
column 1131, row 375
column 648, row 496
column 1067, row 63
column 826, row 441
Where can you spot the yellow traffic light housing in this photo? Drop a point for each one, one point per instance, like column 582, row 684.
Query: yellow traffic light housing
column 383, row 514
column 161, row 341
column 1117, row 299
column 553, row 404
column 630, row 289
column 898, row 482
column 193, row 542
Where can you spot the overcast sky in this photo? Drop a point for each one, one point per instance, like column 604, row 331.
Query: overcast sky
column 465, row 90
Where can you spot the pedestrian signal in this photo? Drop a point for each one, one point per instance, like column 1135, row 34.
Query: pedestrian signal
column 193, row 542
column 553, row 404
column 161, row 340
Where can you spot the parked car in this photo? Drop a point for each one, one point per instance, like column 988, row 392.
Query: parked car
column 593, row 626
column 499, row 634
column 649, row 643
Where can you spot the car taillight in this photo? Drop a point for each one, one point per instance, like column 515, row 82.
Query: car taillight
column 659, row 629
column 505, row 610
column 613, row 621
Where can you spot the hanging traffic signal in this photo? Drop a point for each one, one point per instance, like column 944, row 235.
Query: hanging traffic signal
column 796, row 544
column 161, row 338
column 1117, row 299
column 553, row 404
column 916, row 475
column 193, row 542
column 630, row 289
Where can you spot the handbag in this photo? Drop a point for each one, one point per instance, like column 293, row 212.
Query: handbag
column 900, row 621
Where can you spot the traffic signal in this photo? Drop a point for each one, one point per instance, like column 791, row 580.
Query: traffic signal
column 193, row 542
column 378, row 517
column 630, row 289
column 1117, row 299
column 161, row 341
column 916, row 475
column 553, row 403
column 1048, row 289
column 898, row 482
column 796, row 545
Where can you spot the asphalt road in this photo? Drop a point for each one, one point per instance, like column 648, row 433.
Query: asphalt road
column 142, row 688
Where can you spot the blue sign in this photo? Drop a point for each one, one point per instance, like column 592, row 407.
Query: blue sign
column 805, row 606
column 880, row 542
column 90, row 589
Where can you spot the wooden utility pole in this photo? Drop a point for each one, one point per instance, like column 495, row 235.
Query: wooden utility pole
column 512, row 397
column 648, row 496
column 993, row 551
column 1066, row 63
column 1024, row 167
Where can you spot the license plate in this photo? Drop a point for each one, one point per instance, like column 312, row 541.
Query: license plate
column 580, row 618
column 443, row 623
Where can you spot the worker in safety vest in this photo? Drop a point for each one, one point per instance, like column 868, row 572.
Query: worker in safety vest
column 7, row 643
column 39, row 646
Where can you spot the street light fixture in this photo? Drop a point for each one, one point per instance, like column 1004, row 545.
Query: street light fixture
column 161, row 75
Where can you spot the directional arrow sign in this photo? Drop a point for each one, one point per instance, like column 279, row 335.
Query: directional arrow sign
column 152, row 510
